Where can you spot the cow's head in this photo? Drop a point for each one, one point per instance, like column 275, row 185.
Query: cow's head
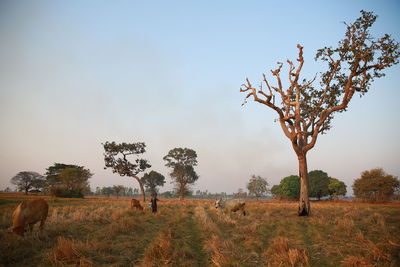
column 20, row 230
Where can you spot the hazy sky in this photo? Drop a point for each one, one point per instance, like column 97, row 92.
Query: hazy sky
column 74, row 74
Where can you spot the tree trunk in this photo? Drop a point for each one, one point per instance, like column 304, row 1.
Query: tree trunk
column 182, row 191
column 304, row 202
column 141, row 188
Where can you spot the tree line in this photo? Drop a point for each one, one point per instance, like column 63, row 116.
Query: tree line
column 66, row 180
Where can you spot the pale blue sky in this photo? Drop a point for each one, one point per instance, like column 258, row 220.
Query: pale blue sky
column 74, row 74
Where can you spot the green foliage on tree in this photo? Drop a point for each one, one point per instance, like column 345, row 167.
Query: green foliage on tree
column 306, row 109
column 53, row 172
column 183, row 176
column 182, row 162
column 152, row 180
column 276, row 191
column 257, row 186
column 290, row 187
column 116, row 157
column 70, row 181
column 336, row 188
column 375, row 185
column 318, row 184
column 27, row 180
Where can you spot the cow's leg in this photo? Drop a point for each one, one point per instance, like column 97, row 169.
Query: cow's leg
column 42, row 224
column 31, row 226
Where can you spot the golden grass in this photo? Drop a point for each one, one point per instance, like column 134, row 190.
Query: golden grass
column 280, row 253
column 160, row 251
column 106, row 232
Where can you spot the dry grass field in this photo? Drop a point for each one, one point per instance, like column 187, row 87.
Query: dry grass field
column 106, row 232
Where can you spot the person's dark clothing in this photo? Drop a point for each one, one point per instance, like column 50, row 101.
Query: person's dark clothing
column 154, row 204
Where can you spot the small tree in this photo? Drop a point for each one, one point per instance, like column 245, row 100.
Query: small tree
column 276, row 191
column 152, row 180
column 118, row 189
column 257, row 186
column 107, row 191
column 375, row 185
column 289, row 187
column 26, row 180
column 182, row 161
column 304, row 110
column 336, row 188
column 183, row 177
column 319, row 182
column 116, row 158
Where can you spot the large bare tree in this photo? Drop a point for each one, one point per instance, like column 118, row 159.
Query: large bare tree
column 306, row 110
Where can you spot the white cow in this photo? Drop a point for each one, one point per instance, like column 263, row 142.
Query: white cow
column 231, row 205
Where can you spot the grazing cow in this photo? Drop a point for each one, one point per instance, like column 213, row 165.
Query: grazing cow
column 231, row 205
column 28, row 213
column 136, row 204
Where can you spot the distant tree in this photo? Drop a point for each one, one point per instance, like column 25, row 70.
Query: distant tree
column 375, row 185
column 135, row 191
column 130, row 192
column 240, row 193
column 276, row 191
column 182, row 162
column 98, row 191
column 152, row 180
column 53, row 172
column 71, row 182
column 183, row 177
column 290, row 187
column 7, row 189
column 39, row 185
column 107, row 191
column 257, row 186
column 336, row 188
column 318, row 184
column 305, row 110
column 118, row 189
column 116, row 158
column 26, row 180
column 168, row 194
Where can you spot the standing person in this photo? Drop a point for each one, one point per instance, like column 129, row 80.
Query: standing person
column 153, row 201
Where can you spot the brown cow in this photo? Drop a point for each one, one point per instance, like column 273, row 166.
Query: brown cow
column 136, row 204
column 28, row 213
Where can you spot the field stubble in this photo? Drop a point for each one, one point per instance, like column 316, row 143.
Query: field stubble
column 104, row 232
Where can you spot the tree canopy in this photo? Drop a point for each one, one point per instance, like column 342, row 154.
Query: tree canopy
column 182, row 162
column 26, row 180
column 321, row 185
column 336, row 188
column 181, row 156
column 318, row 182
column 257, row 186
column 375, row 185
column 67, row 180
column 290, row 187
column 53, row 172
column 116, row 157
column 152, row 180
